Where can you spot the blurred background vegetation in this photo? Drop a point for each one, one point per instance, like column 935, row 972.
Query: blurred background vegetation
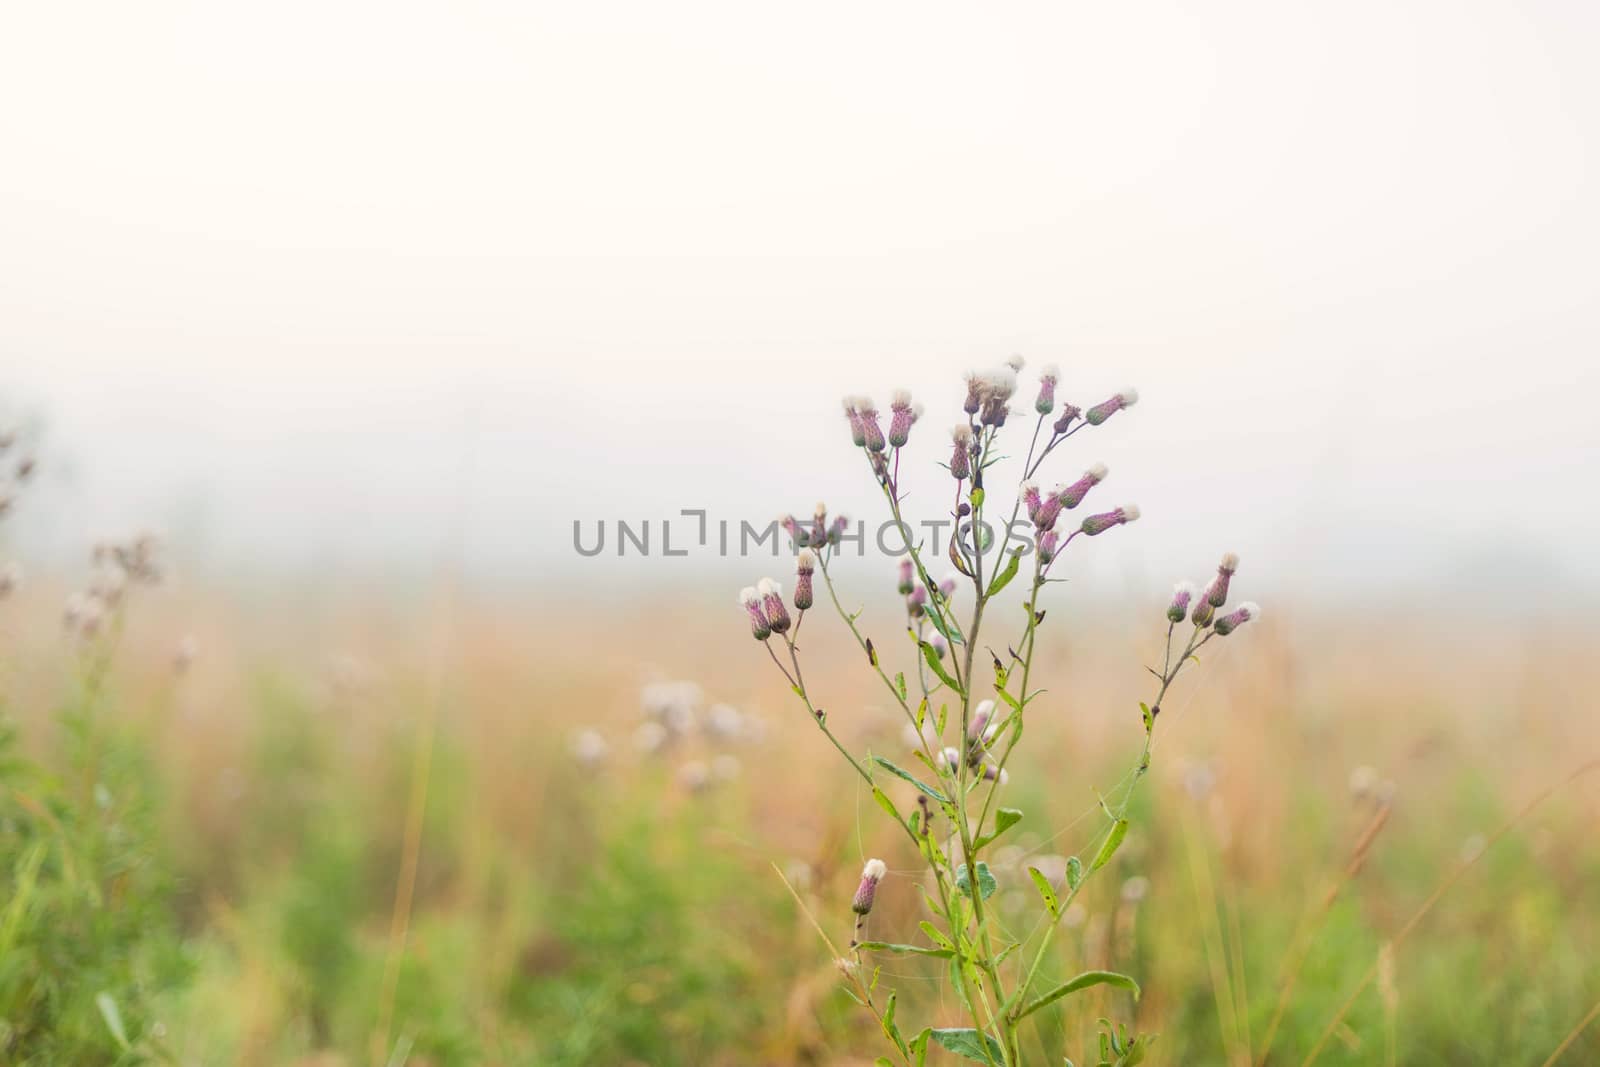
column 202, row 835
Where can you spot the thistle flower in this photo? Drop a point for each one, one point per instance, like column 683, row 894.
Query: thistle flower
column 1203, row 612
column 772, row 605
column 1046, row 403
column 760, row 628
column 871, row 431
column 1031, row 500
column 974, row 393
column 805, row 566
column 1237, row 618
column 871, row 875
column 917, row 601
column 1107, row 408
column 1049, row 509
column 1217, row 591
column 991, row 773
column 981, row 727
column 1073, row 494
column 858, row 429
column 1016, row 363
column 1049, row 545
column 947, row 585
column 907, row 577
column 960, row 452
column 939, row 645
column 819, row 526
column 797, row 536
column 902, row 417
column 1064, row 420
column 1099, row 524
column 995, row 390
column 1182, row 593
column 836, row 530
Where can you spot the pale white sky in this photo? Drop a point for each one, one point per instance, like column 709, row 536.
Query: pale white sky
column 319, row 283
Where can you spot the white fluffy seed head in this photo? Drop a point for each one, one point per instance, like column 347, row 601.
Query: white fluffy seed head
column 748, row 596
column 1000, row 383
column 1050, row 371
column 805, row 559
column 1183, row 589
column 900, row 398
column 1029, row 486
column 768, row 587
column 849, row 404
column 1129, row 397
column 961, row 434
column 1130, row 512
column 1098, row 472
column 1015, row 363
column 1230, row 562
column 874, row 870
column 917, row 411
column 1251, row 609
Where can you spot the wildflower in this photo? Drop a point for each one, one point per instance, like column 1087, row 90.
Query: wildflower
column 980, row 728
column 1217, row 591
column 1073, row 494
column 939, row 646
column 917, row 601
column 1237, row 618
column 1049, row 509
column 960, row 457
column 836, row 530
column 805, row 565
column 819, row 525
column 1031, row 500
column 996, row 389
column 872, row 432
column 1064, row 420
column 797, row 536
column 974, row 399
column 871, row 875
column 760, row 628
column 1046, row 403
column 1203, row 612
column 948, row 759
column 589, row 748
column 998, row 775
column 901, row 419
column 1015, row 363
column 1049, row 545
column 772, row 605
column 1107, row 408
column 1182, row 593
column 858, row 429
column 906, row 576
column 947, row 585
column 1099, row 524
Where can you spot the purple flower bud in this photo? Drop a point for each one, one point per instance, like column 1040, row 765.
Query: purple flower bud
column 836, row 530
column 939, row 646
column 1182, row 593
column 995, row 390
column 1203, row 612
column 1049, row 544
column 1047, row 390
column 961, row 447
column 1237, row 618
column 1217, row 591
column 1030, row 500
column 805, row 566
column 917, row 601
column 751, row 599
column 1107, row 408
column 1049, row 510
column 772, row 605
column 1073, row 494
column 1064, row 420
column 1099, row 524
column 974, row 393
column 870, row 428
column 871, row 875
column 947, row 586
column 819, row 526
column 991, row 773
column 907, row 577
column 858, row 429
column 903, row 417
column 978, row 727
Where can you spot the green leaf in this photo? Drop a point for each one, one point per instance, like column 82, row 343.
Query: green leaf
column 986, row 883
column 932, row 659
column 1074, row 872
column 1113, row 842
column 113, row 1018
column 1042, row 884
column 937, row 619
column 977, row 498
column 969, row 1043
column 919, row 1047
column 1083, row 981
column 936, row 934
column 908, row 776
column 883, row 1061
column 922, row 713
column 905, row 950
column 1004, row 819
column 900, row 684
column 1149, row 720
column 944, row 716
column 886, row 804
column 872, row 653
column 1002, row 579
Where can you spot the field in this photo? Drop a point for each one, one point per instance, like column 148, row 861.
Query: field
column 434, row 828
